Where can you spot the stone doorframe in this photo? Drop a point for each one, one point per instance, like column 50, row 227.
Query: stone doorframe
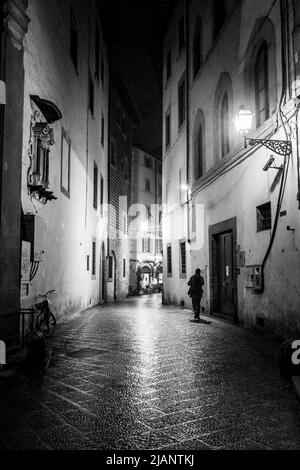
column 228, row 225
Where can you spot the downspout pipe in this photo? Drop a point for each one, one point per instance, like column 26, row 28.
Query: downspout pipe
column 187, row 117
column 284, row 90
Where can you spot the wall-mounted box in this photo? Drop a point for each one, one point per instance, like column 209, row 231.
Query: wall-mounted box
column 36, row 231
column 25, row 261
column 253, row 277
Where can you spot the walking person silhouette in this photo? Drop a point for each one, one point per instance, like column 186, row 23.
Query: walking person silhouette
column 195, row 292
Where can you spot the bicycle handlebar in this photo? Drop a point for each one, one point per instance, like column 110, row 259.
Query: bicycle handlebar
column 48, row 292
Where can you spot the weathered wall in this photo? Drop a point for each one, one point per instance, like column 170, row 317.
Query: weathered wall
column 152, row 199
column 235, row 193
column 119, row 195
column 70, row 223
column 10, row 160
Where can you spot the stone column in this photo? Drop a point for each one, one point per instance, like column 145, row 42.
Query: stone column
column 15, row 23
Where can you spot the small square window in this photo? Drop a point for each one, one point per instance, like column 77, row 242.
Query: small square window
column 263, row 217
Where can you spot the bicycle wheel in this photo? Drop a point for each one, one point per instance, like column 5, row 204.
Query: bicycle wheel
column 46, row 323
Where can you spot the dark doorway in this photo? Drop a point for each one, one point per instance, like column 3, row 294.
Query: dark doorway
column 226, row 282
column 223, row 268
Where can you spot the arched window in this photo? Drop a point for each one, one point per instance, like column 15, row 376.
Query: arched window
column 223, row 111
column 199, row 144
column 260, row 71
column 197, row 47
column 224, row 125
column 199, row 162
column 261, row 75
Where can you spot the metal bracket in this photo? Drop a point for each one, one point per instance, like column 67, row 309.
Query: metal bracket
column 281, row 147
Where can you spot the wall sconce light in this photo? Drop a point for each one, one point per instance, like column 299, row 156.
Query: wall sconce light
column 243, row 123
column 269, row 164
column 185, row 187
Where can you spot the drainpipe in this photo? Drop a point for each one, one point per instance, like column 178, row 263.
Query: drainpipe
column 2, row 105
column 87, row 121
column 187, row 126
column 282, row 99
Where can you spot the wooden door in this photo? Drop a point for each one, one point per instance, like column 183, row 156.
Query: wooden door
column 226, row 274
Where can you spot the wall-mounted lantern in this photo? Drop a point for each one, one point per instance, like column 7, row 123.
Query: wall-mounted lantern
column 243, row 123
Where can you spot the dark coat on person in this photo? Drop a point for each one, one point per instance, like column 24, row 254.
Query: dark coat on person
column 196, row 283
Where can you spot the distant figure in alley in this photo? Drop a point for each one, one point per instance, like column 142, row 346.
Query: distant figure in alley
column 195, row 291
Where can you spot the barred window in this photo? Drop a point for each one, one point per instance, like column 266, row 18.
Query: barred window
column 93, row 258
column 95, row 187
column 264, row 217
column 182, row 258
column 169, row 260
column 110, row 268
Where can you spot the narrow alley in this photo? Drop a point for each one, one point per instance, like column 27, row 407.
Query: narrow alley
column 140, row 375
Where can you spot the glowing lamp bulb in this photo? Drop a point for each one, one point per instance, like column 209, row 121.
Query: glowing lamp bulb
column 243, row 120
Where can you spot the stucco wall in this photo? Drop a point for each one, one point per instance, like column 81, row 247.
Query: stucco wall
column 237, row 192
column 70, row 223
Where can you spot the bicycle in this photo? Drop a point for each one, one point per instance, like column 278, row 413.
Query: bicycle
column 41, row 326
column 46, row 321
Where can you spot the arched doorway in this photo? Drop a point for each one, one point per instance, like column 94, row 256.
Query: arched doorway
column 146, row 275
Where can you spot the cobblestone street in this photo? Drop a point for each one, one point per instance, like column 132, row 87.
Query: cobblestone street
column 139, row 375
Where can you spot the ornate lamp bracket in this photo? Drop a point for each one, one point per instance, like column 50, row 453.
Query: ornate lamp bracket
column 281, row 147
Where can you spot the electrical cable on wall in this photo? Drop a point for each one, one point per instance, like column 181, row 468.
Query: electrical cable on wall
column 279, row 115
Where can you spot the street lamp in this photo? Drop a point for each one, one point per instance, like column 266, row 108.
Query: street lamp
column 185, row 187
column 243, row 123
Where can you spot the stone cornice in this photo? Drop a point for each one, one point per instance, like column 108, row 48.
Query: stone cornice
column 16, row 21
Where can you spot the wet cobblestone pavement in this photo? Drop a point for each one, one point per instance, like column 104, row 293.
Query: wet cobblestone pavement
column 139, row 375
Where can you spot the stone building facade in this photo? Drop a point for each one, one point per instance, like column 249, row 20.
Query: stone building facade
column 228, row 210
column 146, row 215
column 54, row 229
column 122, row 119
column 14, row 23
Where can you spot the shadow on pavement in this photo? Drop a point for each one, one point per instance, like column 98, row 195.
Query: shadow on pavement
column 205, row 322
